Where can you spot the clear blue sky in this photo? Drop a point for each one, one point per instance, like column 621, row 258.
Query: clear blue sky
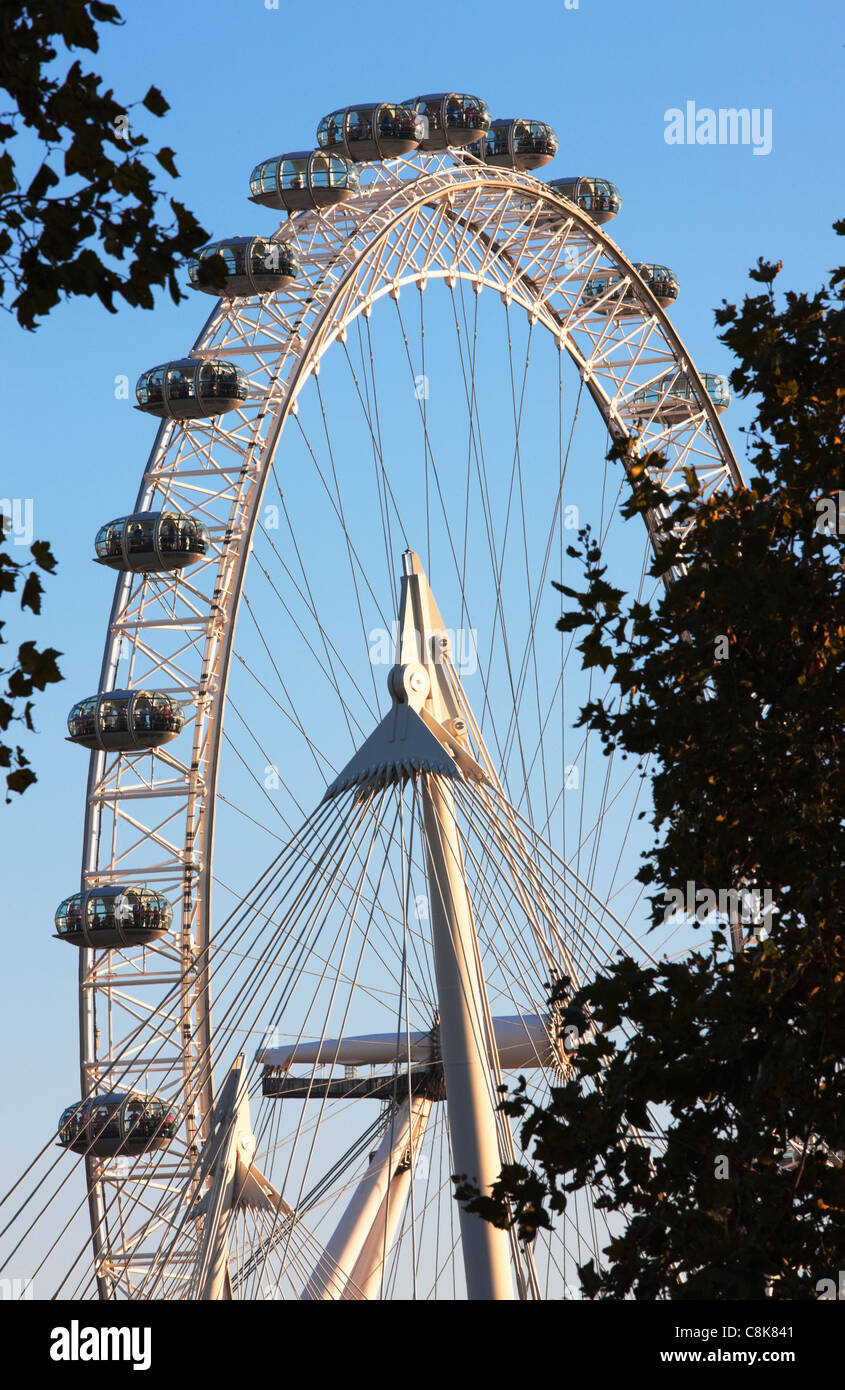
column 243, row 82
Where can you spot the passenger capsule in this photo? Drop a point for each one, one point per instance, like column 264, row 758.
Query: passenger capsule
column 250, row 265
column 302, row 180
column 597, row 197
column 674, row 397
column 516, row 144
column 191, row 389
column 117, row 1122
column 606, row 294
column 113, row 915
column 125, row 721
column 151, row 542
column 377, row 130
column 450, row 118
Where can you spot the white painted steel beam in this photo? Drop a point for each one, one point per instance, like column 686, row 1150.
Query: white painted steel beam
column 520, row 1041
column 371, row 1213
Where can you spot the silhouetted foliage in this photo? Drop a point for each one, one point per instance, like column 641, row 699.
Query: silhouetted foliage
column 89, row 201
column 739, row 1056
column 32, row 670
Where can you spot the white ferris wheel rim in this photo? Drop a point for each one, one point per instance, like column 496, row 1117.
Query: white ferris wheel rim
column 510, row 233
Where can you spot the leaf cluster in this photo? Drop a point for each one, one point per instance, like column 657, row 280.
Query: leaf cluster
column 87, row 221
column 33, row 668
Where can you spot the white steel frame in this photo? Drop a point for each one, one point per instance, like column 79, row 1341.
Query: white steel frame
column 150, row 816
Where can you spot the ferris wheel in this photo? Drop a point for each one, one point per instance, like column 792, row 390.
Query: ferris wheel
column 344, row 830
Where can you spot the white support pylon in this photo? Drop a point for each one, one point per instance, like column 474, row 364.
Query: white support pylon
column 356, row 1250
column 424, row 736
column 464, row 1043
column 235, row 1182
column 461, row 994
column 369, row 1269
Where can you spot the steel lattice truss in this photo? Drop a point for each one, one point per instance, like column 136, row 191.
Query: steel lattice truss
column 150, row 817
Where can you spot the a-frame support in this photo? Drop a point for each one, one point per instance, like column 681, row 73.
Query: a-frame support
column 228, row 1160
column 424, row 736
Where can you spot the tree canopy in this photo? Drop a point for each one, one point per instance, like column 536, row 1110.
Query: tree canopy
column 85, row 217
column 733, row 684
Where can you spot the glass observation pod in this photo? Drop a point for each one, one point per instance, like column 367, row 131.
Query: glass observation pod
column 113, row 915
column 151, row 541
column 302, row 180
column 117, row 1122
column 450, row 118
column 662, row 282
column 674, row 397
column 599, row 198
column 253, row 265
column 191, row 389
column 377, row 130
column 125, row 721
column 516, row 144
